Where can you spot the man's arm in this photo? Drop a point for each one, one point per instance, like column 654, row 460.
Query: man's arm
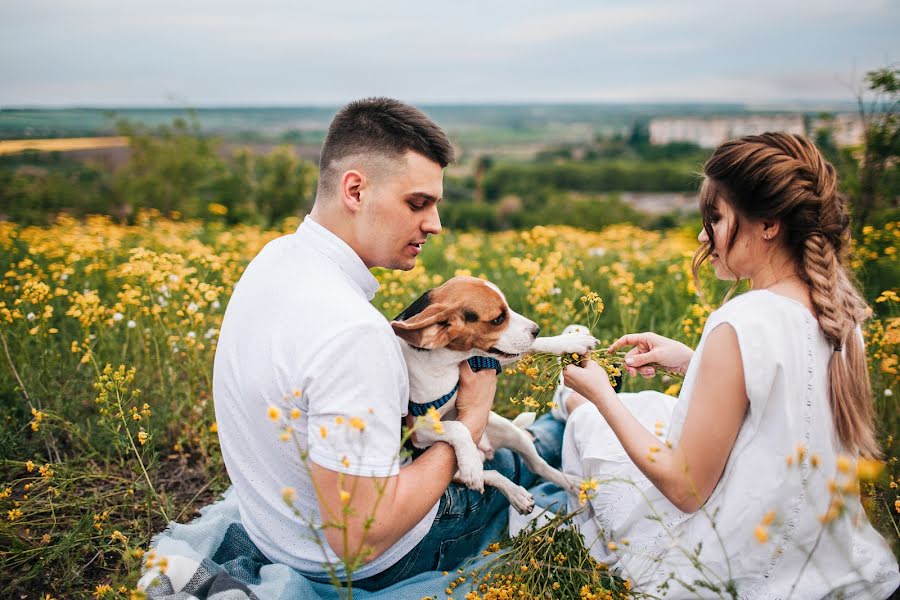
column 392, row 506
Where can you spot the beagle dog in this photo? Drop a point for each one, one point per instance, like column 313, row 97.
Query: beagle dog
column 469, row 319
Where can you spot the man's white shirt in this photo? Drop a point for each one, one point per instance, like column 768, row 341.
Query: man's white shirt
column 300, row 333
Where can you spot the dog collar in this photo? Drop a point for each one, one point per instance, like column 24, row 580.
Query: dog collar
column 477, row 363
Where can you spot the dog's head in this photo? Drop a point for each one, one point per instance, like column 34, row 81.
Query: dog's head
column 463, row 314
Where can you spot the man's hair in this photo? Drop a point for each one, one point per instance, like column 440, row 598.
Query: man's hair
column 380, row 128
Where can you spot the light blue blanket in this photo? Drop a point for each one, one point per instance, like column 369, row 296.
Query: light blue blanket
column 212, row 558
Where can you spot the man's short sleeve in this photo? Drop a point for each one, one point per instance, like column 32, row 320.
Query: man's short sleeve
column 356, row 400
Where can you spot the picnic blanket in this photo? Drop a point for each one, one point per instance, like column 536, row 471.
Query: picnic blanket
column 212, row 558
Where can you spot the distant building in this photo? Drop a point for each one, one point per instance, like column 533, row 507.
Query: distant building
column 846, row 129
column 710, row 132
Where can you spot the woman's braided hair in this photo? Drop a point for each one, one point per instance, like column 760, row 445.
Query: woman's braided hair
column 784, row 177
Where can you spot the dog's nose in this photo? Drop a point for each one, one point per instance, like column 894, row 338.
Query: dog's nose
column 535, row 331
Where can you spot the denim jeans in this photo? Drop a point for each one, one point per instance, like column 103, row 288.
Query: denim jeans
column 467, row 521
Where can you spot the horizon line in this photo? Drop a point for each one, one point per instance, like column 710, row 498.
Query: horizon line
column 448, row 104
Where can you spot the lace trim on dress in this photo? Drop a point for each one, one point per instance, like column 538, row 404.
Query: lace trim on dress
column 760, row 590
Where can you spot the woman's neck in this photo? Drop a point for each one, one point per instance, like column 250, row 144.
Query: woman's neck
column 784, row 279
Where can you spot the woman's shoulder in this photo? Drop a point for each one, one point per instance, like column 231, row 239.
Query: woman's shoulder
column 762, row 308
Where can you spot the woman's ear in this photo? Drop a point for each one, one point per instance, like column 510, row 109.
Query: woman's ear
column 770, row 229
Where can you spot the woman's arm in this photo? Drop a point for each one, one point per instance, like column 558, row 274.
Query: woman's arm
column 687, row 473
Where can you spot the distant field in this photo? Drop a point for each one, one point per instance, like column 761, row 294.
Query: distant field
column 468, row 125
column 62, row 144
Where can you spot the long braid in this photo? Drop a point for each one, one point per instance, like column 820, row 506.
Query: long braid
column 821, row 267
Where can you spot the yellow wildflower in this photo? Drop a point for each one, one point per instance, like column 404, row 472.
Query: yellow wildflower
column 843, row 463
column 868, row 469
column 761, row 533
column 118, row 536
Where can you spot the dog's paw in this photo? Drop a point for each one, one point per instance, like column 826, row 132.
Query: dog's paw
column 521, row 500
column 470, row 473
column 575, row 328
column 577, row 342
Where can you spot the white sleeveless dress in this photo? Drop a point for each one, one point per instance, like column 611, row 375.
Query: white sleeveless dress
column 785, row 358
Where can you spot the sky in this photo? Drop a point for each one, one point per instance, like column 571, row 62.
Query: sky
column 294, row 52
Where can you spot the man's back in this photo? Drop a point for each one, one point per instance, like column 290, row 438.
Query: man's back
column 299, row 333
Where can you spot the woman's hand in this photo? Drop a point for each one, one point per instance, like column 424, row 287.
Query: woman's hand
column 652, row 350
column 590, row 380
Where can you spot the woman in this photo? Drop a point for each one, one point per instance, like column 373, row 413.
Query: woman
column 747, row 481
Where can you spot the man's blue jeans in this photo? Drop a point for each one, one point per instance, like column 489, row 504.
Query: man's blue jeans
column 467, row 521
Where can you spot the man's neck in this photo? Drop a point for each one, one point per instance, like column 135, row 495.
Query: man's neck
column 339, row 226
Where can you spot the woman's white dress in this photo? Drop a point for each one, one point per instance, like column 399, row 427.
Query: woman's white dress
column 785, row 358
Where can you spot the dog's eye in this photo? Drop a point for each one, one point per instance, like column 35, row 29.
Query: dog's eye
column 499, row 320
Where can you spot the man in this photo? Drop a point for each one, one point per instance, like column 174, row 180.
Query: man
column 301, row 342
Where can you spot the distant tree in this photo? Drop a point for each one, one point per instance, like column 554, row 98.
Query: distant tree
column 171, row 168
column 879, row 182
column 482, row 166
column 639, row 137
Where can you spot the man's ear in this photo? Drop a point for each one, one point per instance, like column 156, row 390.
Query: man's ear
column 351, row 183
column 433, row 327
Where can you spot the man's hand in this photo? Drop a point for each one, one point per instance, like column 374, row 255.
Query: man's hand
column 475, row 398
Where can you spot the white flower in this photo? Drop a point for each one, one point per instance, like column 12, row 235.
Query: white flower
column 192, row 335
column 64, row 277
column 164, row 290
column 131, row 324
column 118, row 316
column 210, row 333
column 555, row 291
column 192, row 307
column 888, row 392
column 30, row 316
column 162, row 302
column 173, row 277
column 216, row 304
column 597, row 251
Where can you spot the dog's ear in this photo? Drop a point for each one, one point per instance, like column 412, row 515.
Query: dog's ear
column 433, row 327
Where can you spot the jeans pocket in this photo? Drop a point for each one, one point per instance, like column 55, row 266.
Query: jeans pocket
column 454, row 551
column 459, row 502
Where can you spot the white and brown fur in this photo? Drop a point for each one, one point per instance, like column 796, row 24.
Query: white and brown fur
column 462, row 318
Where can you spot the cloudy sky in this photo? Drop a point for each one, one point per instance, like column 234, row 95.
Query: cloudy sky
column 293, row 52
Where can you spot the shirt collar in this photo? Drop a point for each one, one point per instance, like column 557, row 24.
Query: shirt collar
column 328, row 244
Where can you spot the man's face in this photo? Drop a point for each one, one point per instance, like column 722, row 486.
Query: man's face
column 400, row 211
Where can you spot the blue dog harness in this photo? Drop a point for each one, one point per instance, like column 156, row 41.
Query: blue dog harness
column 478, row 363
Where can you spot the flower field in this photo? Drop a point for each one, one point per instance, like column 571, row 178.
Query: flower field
column 108, row 332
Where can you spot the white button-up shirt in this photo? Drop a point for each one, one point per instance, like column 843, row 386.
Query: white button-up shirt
column 300, row 333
